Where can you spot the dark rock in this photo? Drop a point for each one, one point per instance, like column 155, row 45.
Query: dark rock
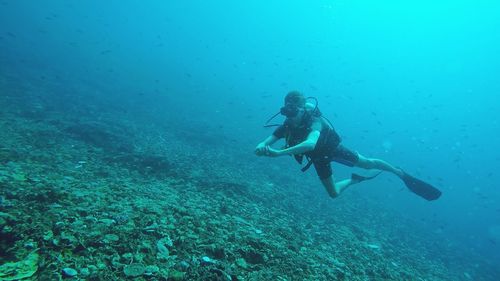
column 217, row 252
column 254, row 257
column 182, row 266
column 96, row 135
column 144, row 164
column 7, row 155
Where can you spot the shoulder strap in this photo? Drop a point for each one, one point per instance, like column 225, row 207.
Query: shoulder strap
column 308, row 165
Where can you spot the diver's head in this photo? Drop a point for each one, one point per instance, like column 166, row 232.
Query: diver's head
column 294, row 107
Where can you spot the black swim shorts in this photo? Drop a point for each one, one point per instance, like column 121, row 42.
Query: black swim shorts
column 340, row 154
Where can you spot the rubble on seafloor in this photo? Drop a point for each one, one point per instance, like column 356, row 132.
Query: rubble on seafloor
column 86, row 199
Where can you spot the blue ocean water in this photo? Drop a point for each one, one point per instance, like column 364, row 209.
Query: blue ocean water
column 412, row 82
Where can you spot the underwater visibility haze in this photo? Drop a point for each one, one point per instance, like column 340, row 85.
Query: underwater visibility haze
column 130, row 136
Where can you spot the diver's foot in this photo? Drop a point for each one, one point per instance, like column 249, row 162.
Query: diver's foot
column 355, row 178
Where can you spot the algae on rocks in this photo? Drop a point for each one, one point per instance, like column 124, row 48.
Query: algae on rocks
column 134, row 270
column 21, row 269
column 161, row 245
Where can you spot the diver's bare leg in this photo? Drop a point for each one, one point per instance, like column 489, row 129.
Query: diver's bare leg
column 335, row 188
column 374, row 163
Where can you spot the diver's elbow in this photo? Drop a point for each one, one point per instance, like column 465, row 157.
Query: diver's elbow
column 310, row 146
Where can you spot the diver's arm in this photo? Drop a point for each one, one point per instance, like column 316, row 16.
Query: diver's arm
column 261, row 147
column 303, row 147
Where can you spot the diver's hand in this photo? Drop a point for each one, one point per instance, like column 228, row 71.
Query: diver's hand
column 271, row 152
column 260, row 150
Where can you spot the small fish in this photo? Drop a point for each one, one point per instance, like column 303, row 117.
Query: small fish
column 373, row 246
column 105, row 52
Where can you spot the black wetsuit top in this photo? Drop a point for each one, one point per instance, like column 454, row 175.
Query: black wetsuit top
column 327, row 149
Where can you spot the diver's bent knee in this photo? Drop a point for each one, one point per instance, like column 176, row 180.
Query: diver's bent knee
column 333, row 195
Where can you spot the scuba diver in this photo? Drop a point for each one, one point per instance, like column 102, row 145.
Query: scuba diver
column 309, row 134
